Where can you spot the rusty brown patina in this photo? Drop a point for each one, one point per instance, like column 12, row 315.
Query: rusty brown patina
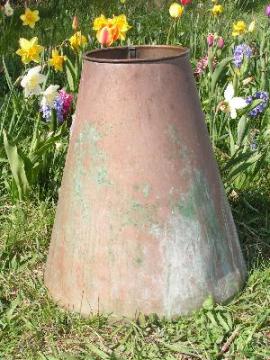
column 143, row 223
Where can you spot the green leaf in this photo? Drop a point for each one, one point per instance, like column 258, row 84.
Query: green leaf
column 232, row 143
column 242, row 128
column 236, row 159
column 218, row 71
column 209, row 303
column 98, row 352
column 43, row 146
column 243, row 166
column 181, row 348
column 7, row 76
column 17, row 167
column 223, row 322
column 71, row 75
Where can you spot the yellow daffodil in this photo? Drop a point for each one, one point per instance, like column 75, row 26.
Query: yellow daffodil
column 239, row 28
column 100, row 22
column 77, row 41
column 29, row 50
column 57, row 60
column 29, row 18
column 122, row 25
column 252, row 26
column 176, row 10
column 217, row 10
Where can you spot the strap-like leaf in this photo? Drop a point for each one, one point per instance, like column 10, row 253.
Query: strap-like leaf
column 218, row 71
column 17, row 167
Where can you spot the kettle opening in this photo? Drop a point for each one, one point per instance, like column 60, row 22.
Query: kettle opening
column 135, row 54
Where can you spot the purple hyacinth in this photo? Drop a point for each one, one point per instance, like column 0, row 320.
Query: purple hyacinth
column 46, row 112
column 58, row 105
column 253, row 146
column 62, row 106
column 240, row 52
column 259, row 109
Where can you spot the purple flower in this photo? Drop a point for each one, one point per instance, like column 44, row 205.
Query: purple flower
column 258, row 109
column 58, row 105
column 253, row 146
column 46, row 112
column 67, row 101
column 267, row 10
column 61, row 105
column 240, row 52
column 249, row 99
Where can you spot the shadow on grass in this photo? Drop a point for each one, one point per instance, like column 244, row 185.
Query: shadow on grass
column 251, row 212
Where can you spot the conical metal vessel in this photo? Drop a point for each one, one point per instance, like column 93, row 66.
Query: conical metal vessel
column 142, row 223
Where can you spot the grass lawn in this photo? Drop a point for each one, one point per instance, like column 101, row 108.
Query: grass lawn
column 31, row 325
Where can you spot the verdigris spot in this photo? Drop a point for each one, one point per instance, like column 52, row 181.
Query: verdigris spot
column 139, row 214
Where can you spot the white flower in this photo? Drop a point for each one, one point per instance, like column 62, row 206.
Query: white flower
column 32, row 80
column 8, row 11
column 49, row 96
column 252, row 25
column 232, row 103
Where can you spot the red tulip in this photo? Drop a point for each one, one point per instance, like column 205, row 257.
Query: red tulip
column 185, row 2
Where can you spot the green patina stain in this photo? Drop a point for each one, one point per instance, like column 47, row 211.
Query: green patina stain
column 144, row 188
column 101, row 176
column 173, row 134
column 186, row 208
column 138, row 260
column 198, row 205
column 139, row 215
column 85, row 147
column 136, row 187
column 179, row 151
column 187, row 205
column 92, row 133
column 88, row 141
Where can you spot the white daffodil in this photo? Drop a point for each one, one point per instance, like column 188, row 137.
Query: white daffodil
column 32, row 80
column 232, row 103
column 252, row 26
column 8, row 11
column 49, row 96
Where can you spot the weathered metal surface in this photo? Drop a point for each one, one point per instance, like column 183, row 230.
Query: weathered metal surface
column 142, row 224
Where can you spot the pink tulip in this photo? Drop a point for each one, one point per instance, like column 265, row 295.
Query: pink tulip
column 220, row 42
column 267, row 10
column 75, row 23
column 210, row 39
